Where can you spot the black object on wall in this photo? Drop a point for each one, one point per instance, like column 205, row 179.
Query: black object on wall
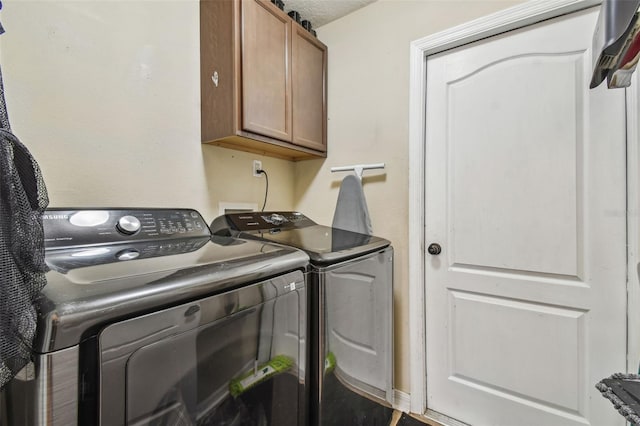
column 23, row 199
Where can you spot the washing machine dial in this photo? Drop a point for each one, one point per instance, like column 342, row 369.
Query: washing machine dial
column 277, row 219
column 127, row 254
column 128, row 225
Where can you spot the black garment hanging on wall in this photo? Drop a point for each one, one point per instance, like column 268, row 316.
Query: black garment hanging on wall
column 23, row 198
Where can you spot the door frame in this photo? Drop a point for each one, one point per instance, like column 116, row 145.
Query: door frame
column 516, row 17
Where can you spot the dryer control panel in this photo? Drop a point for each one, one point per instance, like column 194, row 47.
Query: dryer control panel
column 80, row 227
column 261, row 221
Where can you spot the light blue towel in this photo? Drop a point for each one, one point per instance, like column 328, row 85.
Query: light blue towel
column 351, row 212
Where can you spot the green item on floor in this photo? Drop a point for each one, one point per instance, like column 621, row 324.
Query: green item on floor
column 329, row 363
column 276, row 365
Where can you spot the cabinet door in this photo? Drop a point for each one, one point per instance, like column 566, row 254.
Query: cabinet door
column 309, row 71
column 266, row 83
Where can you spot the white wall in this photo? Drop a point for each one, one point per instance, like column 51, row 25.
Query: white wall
column 368, row 123
column 106, row 96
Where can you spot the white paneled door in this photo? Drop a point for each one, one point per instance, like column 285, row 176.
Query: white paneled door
column 526, row 196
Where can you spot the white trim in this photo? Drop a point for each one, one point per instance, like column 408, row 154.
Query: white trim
column 401, row 401
column 417, row 359
column 519, row 16
column 633, row 227
column 510, row 19
column 441, row 419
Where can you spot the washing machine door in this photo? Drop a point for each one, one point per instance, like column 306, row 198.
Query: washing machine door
column 232, row 359
column 356, row 315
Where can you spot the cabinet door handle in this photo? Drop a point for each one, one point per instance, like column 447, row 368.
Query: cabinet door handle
column 214, row 78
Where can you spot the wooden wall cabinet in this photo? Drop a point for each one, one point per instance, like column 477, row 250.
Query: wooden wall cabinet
column 263, row 81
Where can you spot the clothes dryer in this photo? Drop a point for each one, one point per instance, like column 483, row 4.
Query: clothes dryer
column 350, row 288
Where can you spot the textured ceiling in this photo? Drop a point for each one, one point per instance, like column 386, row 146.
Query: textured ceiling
column 320, row 12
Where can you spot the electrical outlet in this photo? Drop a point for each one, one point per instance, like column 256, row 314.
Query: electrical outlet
column 257, row 165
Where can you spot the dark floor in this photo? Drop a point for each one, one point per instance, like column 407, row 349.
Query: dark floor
column 407, row 420
column 341, row 406
column 344, row 407
column 269, row 403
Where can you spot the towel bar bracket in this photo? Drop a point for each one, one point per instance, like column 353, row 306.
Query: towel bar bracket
column 358, row 169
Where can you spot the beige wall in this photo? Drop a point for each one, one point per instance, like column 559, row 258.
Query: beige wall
column 368, row 123
column 106, row 95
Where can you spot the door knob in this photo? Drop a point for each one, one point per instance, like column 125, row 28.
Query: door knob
column 434, row 249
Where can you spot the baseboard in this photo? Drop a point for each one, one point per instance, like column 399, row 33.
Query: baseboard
column 401, row 401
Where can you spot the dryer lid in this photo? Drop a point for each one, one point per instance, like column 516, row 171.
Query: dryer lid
column 324, row 244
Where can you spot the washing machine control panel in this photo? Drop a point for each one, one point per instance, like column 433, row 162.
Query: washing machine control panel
column 67, row 227
column 267, row 221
